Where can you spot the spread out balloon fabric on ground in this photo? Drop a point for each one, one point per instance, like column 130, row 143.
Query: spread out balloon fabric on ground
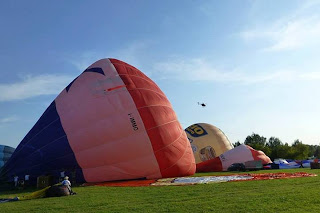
column 203, row 180
column 210, row 179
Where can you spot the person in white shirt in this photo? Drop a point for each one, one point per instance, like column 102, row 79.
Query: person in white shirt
column 26, row 180
column 67, row 183
column 15, row 179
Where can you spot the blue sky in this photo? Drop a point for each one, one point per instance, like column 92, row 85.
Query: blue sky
column 254, row 63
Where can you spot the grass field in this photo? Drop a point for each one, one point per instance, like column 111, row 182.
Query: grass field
column 280, row 195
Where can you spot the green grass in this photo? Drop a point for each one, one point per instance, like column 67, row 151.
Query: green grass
column 281, row 195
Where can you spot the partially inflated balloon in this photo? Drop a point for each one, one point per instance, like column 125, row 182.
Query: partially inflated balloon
column 111, row 123
column 239, row 154
column 207, row 141
column 5, row 154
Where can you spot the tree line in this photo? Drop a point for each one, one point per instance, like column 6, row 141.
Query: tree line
column 275, row 148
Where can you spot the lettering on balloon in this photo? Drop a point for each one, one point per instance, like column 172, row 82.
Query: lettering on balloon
column 196, row 130
column 133, row 122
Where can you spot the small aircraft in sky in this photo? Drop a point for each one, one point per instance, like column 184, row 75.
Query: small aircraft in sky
column 202, row 104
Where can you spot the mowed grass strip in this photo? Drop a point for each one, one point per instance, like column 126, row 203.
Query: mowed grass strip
column 279, row 195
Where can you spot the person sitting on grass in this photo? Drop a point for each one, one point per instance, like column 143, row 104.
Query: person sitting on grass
column 67, row 183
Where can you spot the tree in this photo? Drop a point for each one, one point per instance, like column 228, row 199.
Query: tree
column 300, row 150
column 274, row 148
column 274, row 144
column 284, row 151
column 317, row 152
column 296, row 142
column 257, row 142
column 313, row 150
column 236, row 144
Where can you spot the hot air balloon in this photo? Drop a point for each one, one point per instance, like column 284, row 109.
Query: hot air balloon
column 239, row 154
column 5, row 154
column 110, row 123
column 207, row 141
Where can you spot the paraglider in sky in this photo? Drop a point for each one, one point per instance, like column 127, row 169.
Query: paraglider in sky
column 207, row 141
column 110, row 123
column 239, row 154
column 5, row 154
